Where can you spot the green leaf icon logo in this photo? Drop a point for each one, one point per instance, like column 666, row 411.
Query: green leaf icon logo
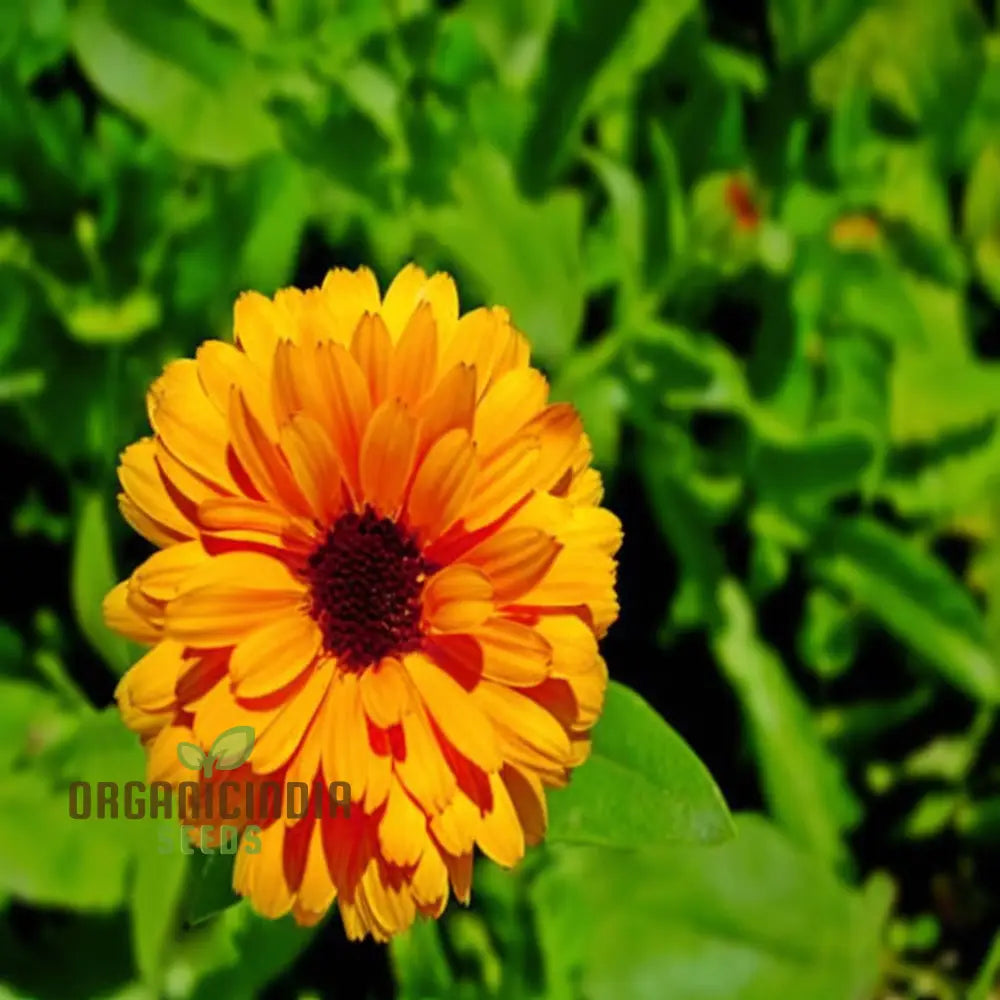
column 230, row 749
column 190, row 756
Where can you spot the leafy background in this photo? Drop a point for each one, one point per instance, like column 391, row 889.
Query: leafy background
column 759, row 247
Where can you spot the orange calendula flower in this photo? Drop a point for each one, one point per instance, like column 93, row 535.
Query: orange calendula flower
column 380, row 548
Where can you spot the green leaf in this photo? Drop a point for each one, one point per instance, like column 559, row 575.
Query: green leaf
column 803, row 781
column 915, row 598
column 154, row 901
column 31, row 719
column 641, row 785
column 232, row 748
column 596, row 53
column 268, row 251
column 932, row 395
column 164, row 66
column 113, row 323
column 91, row 577
column 210, row 886
column 832, row 460
column 531, row 263
column 56, row 860
column 803, row 29
column 754, row 919
column 988, row 975
column 827, row 640
column 420, row 963
column 254, row 951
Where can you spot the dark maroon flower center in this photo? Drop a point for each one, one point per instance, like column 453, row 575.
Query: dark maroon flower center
column 366, row 578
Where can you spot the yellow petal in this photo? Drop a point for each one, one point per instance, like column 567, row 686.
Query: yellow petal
column 349, row 295
column 442, row 484
column 457, row 598
column 401, row 298
column 430, row 883
column 151, row 683
column 348, row 405
column 514, row 560
column 467, row 728
column 502, row 482
column 271, row 657
column 508, row 405
column 500, row 834
column 423, row 769
column 280, row 739
column 315, row 466
column 528, row 797
column 122, row 618
column 268, row 891
column 387, row 453
column 163, row 574
column 522, row 719
column 457, row 825
column 187, row 423
column 385, row 692
column 229, row 596
column 371, row 347
column 450, row 404
column 414, row 361
column 316, row 892
column 402, row 832
column 513, row 653
column 346, row 749
column 258, row 325
column 143, row 485
column 261, row 459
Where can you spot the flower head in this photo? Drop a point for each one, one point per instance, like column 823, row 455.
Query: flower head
column 380, row 548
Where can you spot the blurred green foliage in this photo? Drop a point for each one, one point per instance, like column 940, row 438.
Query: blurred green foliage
column 759, row 248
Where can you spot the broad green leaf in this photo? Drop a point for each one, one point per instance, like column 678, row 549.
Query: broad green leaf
column 754, row 919
column 420, row 963
column 210, row 886
column 531, row 263
column 915, row 598
column 641, row 785
column 117, row 323
column 56, row 860
column 154, row 900
column 923, row 60
column 989, row 974
column 803, row 29
column 267, row 254
column 584, row 37
column 953, row 474
column 92, row 576
column 981, row 217
column 932, row 395
column 685, row 369
column 803, row 782
column 164, row 66
column 254, row 950
column 831, row 460
column 31, row 719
